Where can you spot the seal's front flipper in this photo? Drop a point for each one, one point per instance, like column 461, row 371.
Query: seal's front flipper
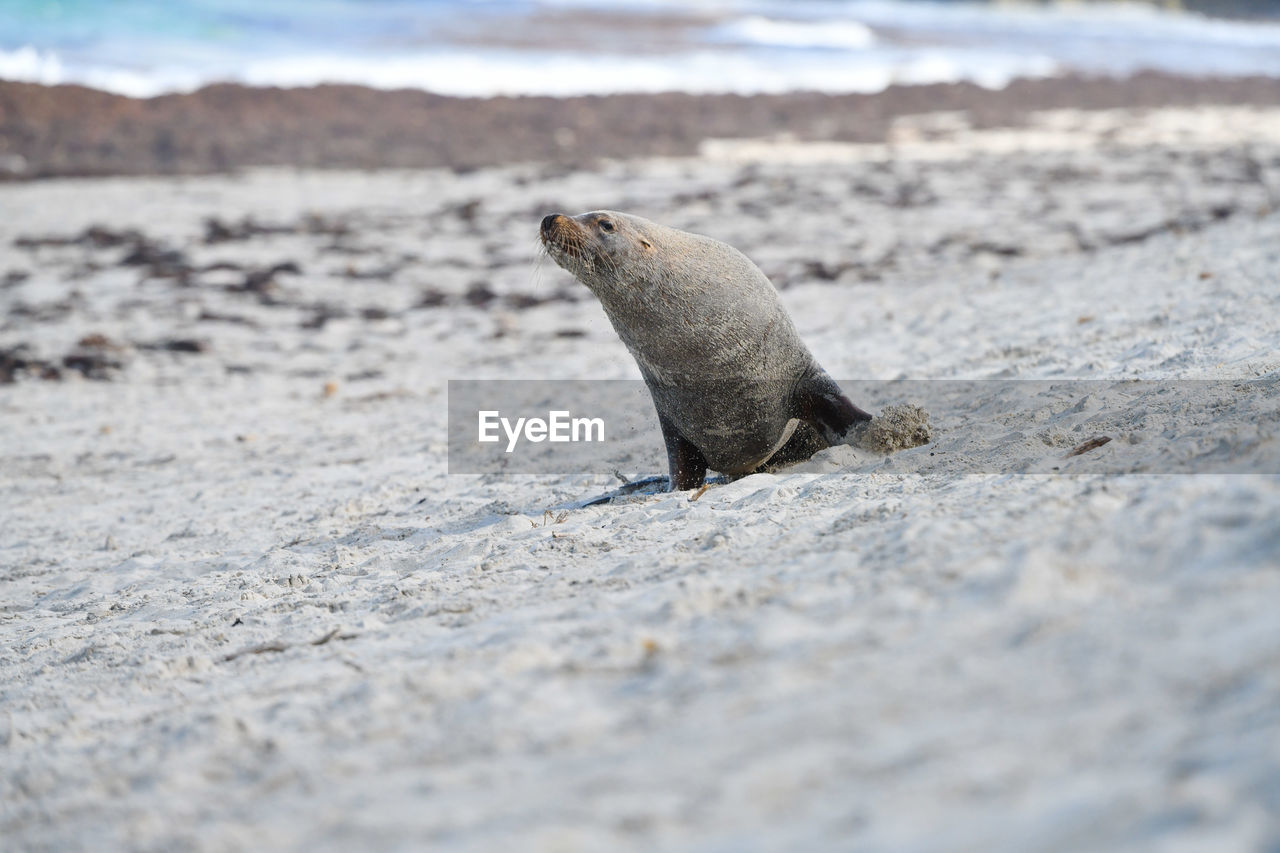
column 821, row 404
column 687, row 465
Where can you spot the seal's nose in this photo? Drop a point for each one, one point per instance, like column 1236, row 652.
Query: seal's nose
column 549, row 223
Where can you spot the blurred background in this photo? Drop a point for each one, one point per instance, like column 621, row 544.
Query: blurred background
column 571, row 47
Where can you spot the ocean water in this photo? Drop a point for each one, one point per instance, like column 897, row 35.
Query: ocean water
column 565, row 47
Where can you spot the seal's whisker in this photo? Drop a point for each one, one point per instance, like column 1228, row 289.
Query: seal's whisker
column 539, row 266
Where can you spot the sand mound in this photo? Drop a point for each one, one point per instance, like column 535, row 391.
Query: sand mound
column 897, row 428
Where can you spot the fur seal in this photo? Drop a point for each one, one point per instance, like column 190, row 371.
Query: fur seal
column 734, row 386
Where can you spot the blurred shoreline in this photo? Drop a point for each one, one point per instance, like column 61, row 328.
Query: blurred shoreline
column 565, row 48
column 74, row 131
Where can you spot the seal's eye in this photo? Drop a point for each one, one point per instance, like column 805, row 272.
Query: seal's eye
column 605, row 225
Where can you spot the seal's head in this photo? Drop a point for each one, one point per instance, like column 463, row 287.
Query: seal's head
column 603, row 249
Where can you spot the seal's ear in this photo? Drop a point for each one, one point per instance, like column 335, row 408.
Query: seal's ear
column 648, row 247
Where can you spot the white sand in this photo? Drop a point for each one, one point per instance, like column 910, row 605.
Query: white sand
column 237, row 612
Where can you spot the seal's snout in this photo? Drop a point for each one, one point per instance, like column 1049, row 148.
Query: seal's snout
column 566, row 242
column 551, row 224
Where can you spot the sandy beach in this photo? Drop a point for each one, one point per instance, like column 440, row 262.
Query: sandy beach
column 244, row 605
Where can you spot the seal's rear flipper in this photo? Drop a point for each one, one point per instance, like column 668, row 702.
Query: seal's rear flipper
column 648, row 487
column 686, row 463
column 820, row 403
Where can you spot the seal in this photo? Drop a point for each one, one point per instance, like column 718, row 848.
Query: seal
column 734, row 386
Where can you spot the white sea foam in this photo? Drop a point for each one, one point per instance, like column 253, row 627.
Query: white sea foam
column 1138, row 22
column 30, row 65
column 472, row 74
column 799, row 34
column 27, row 64
column 476, row 74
